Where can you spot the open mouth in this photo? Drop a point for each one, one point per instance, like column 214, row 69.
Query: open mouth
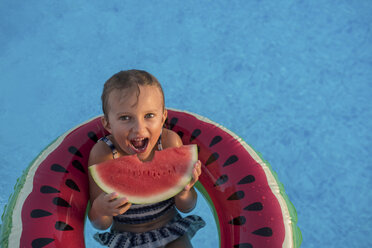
column 139, row 145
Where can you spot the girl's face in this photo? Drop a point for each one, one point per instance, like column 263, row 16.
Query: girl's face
column 136, row 122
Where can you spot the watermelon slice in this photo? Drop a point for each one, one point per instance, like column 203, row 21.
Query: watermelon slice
column 157, row 180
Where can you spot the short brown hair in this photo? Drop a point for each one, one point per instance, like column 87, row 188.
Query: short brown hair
column 126, row 80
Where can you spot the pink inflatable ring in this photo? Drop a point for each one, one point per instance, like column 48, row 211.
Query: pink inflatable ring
column 251, row 209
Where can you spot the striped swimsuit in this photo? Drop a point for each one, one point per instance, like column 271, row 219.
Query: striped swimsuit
column 142, row 213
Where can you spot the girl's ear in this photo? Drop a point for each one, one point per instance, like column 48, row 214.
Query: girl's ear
column 165, row 115
column 106, row 124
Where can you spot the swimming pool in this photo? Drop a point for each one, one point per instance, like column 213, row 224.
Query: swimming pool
column 293, row 79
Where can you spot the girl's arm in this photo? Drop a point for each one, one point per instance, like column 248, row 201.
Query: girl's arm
column 103, row 206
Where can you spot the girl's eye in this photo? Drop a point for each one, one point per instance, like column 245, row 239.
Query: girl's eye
column 149, row 115
column 124, row 118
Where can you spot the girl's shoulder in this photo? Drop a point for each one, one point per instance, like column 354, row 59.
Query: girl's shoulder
column 170, row 139
column 100, row 152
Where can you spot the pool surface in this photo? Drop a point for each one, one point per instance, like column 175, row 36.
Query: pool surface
column 292, row 78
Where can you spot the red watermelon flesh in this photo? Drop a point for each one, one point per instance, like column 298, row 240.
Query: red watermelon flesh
column 153, row 181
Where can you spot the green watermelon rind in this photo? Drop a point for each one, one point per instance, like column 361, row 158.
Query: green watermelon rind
column 293, row 236
column 184, row 180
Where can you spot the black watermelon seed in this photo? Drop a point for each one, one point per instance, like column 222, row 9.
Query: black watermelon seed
column 195, row 134
column 41, row 242
column 48, row 190
column 75, row 151
column 93, row 136
column 61, row 226
column 215, row 140
column 247, row 179
column 265, row 232
column 238, row 195
column 238, row 221
column 60, row 202
column 173, row 122
column 257, row 206
column 243, row 245
column 78, row 165
column 223, row 179
column 180, row 133
column 58, row 168
column 213, row 157
column 72, row 185
column 38, row 213
column 232, row 159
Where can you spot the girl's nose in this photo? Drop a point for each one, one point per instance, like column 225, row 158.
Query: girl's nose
column 139, row 127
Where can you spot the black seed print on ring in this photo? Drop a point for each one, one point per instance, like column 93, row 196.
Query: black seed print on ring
column 238, row 195
column 244, row 245
column 61, row 226
column 72, row 185
column 256, row 206
column 58, row 168
column 60, row 202
column 73, row 150
column 92, row 136
column 238, row 221
column 232, row 159
column 221, row 180
column 180, row 133
column 195, row 134
column 213, row 157
column 78, row 165
column 265, row 232
column 173, row 122
column 38, row 213
column 215, row 140
column 41, row 242
column 48, row 190
column 247, row 179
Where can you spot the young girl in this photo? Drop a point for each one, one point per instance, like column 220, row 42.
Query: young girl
column 134, row 114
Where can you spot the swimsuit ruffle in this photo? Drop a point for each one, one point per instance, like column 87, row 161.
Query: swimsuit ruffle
column 173, row 230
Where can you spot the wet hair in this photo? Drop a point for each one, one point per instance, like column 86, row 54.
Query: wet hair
column 130, row 79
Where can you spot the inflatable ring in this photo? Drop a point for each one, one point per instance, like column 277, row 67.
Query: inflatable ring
column 251, row 209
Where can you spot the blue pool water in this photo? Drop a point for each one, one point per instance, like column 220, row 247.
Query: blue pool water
column 292, row 78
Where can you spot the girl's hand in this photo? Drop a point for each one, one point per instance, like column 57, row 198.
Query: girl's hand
column 110, row 205
column 195, row 176
column 186, row 199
